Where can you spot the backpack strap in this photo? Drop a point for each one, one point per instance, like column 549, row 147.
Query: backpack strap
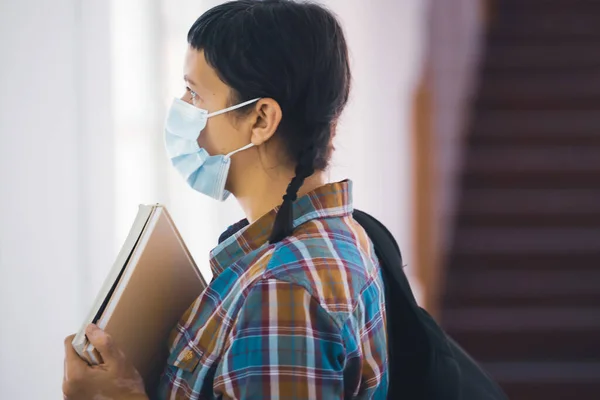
column 387, row 250
column 408, row 349
column 420, row 362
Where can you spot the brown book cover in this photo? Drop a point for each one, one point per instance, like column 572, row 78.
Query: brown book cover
column 151, row 285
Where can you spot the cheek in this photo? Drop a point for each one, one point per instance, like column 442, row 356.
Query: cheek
column 214, row 138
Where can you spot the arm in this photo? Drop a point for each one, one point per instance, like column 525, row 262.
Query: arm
column 284, row 345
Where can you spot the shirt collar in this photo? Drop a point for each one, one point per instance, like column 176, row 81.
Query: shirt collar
column 331, row 200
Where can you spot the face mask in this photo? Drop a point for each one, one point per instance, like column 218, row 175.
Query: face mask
column 204, row 173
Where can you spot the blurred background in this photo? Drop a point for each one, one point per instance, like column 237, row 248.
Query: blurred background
column 472, row 133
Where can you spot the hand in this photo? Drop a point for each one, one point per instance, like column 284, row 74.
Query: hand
column 115, row 379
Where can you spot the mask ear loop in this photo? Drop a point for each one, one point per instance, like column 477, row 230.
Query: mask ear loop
column 238, row 150
column 232, row 108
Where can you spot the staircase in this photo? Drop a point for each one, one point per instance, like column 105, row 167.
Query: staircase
column 523, row 281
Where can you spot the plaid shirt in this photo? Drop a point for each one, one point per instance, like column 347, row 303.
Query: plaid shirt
column 300, row 319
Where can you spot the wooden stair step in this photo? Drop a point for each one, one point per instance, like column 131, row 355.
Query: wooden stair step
column 557, row 179
column 525, row 284
column 549, row 127
column 532, row 139
column 556, row 345
column 549, row 20
column 533, row 103
column 563, row 158
column 560, row 87
column 529, row 221
column 526, row 240
column 530, row 202
column 521, row 6
column 547, row 57
column 547, row 380
column 543, row 123
column 568, row 287
column 575, row 300
column 551, row 390
column 533, row 261
column 529, row 208
column 521, row 319
column 541, row 28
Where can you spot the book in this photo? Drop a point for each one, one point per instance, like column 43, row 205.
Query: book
column 152, row 283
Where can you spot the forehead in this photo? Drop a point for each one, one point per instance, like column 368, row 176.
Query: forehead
column 198, row 71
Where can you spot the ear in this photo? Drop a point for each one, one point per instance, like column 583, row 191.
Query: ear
column 268, row 118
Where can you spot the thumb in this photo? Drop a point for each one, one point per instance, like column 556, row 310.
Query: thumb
column 104, row 343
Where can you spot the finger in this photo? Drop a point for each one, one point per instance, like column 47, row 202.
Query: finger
column 74, row 366
column 71, row 356
column 104, row 343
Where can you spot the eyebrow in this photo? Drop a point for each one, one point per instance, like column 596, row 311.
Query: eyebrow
column 188, row 80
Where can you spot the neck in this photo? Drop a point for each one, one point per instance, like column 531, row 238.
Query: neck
column 259, row 196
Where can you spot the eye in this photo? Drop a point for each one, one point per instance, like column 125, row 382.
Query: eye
column 192, row 93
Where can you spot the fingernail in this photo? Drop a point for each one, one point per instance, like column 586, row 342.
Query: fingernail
column 92, row 328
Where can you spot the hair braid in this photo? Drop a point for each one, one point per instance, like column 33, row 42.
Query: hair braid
column 284, row 221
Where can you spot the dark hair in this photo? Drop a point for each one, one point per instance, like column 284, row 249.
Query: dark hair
column 294, row 53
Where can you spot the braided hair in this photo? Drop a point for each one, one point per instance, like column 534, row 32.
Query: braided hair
column 293, row 52
column 284, row 221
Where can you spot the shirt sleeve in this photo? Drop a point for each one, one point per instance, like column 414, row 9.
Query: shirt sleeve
column 284, row 345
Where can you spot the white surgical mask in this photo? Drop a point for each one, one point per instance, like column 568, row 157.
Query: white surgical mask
column 204, row 173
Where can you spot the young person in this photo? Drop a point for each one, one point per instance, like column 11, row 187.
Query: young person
column 296, row 306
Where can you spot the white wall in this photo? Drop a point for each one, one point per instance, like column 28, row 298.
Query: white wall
column 83, row 89
column 56, row 182
column 374, row 141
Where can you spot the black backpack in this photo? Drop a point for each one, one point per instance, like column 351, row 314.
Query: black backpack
column 424, row 362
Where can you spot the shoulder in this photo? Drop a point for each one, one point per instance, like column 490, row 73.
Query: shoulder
column 331, row 258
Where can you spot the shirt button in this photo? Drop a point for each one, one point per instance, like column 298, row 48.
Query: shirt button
column 188, row 356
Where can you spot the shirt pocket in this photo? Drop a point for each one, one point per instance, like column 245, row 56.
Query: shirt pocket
column 185, row 355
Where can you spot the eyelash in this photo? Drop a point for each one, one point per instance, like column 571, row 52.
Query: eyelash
column 194, row 94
